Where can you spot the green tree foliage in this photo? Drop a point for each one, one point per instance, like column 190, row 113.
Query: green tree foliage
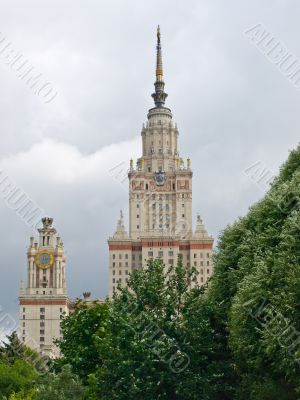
column 256, row 291
column 13, row 349
column 17, row 377
column 78, row 345
column 160, row 344
column 62, row 386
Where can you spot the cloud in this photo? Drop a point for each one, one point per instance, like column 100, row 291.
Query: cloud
column 232, row 106
column 59, row 163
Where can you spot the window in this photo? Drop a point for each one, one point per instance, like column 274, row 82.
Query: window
column 120, row 256
column 133, row 256
column 120, row 264
column 138, row 215
column 207, row 255
column 24, row 309
column 126, row 264
column 23, row 324
column 42, row 316
column 137, row 227
column 195, row 255
column 201, row 263
column 42, row 310
column 137, row 206
column 146, row 186
column 114, row 256
column 120, row 272
column 160, row 254
column 171, row 253
column 23, row 316
column 150, row 253
column 23, row 332
column 201, row 279
column 201, row 255
column 42, row 332
column 171, row 261
column 42, row 324
column 126, row 256
column 114, row 264
column 42, row 339
column 182, row 215
column 207, row 263
column 61, row 310
column 126, row 272
column 207, row 271
column 61, row 316
column 114, row 281
column 201, row 271
column 182, row 204
column 195, row 263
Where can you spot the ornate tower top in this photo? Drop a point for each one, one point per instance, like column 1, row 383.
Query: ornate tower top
column 120, row 231
column 159, row 96
column 47, row 222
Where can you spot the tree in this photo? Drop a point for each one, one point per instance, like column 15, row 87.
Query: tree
column 13, row 349
column 62, row 386
column 256, row 291
column 160, row 343
column 18, row 377
column 80, row 329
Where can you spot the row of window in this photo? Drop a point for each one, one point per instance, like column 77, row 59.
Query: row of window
column 120, row 264
column 201, row 263
column 150, row 254
column 160, row 196
column 42, row 309
column 119, row 280
column 161, row 253
column 120, row 272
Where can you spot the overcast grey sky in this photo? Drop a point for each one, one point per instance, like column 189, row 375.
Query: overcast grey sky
column 232, row 105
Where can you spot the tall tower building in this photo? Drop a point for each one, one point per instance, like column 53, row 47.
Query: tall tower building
column 44, row 301
column 160, row 201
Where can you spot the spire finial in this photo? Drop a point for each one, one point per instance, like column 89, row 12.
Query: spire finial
column 159, row 96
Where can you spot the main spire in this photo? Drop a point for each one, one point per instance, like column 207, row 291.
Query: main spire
column 159, row 96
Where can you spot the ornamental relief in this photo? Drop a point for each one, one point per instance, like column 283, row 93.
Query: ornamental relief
column 183, row 184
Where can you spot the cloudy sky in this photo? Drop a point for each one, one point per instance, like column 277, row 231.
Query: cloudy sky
column 233, row 105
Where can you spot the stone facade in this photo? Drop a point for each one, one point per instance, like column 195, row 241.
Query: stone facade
column 44, row 301
column 160, row 202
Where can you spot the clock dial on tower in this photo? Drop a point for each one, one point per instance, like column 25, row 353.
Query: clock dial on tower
column 44, row 259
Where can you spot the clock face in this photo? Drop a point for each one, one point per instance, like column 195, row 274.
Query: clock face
column 44, row 259
column 159, row 178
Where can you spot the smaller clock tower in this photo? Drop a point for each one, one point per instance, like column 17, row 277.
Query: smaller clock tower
column 44, row 301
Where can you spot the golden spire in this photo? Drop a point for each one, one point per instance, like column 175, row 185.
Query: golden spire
column 159, row 66
column 159, row 96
